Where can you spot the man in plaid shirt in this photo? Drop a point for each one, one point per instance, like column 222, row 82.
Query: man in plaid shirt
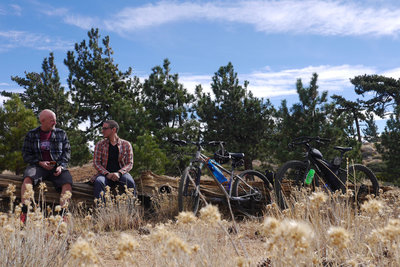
column 113, row 159
column 47, row 151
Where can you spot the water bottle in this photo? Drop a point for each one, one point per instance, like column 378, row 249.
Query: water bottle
column 216, row 172
column 310, row 176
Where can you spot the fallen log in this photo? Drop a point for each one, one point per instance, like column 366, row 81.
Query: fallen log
column 148, row 184
column 82, row 192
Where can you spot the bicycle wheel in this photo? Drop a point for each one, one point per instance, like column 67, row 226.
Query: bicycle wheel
column 361, row 180
column 290, row 177
column 255, row 190
column 189, row 191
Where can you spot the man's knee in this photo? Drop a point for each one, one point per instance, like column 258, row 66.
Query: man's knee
column 100, row 181
column 128, row 180
column 27, row 180
column 66, row 187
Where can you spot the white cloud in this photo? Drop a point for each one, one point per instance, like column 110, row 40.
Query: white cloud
column 83, row 22
column 268, row 83
column 14, row 39
column 191, row 81
column 3, row 99
column 394, row 73
column 309, row 16
column 51, row 11
column 17, row 10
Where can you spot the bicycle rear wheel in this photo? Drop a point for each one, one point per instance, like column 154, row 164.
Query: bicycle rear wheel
column 361, row 180
column 189, row 191
column 255, row 190
column 290, row 177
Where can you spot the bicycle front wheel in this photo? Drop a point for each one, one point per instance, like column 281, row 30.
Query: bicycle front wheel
column 290, row 177
column 189, row 190
column 254, row 191
column 361, row 180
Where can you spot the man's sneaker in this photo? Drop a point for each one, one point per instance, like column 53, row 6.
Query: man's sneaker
column 22, row 217
column 66, row 218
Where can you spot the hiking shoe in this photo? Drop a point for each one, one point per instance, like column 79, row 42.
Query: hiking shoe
column 22, row 217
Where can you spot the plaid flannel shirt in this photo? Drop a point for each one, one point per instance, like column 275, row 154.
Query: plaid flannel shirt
column 125, row 156
column 60, row 149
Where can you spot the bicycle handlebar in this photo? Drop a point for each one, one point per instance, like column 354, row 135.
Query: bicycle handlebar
column 202, row 143
column 305, row 140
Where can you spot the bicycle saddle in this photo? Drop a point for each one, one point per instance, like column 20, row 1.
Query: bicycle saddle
column 236, row 155
column 343, row 149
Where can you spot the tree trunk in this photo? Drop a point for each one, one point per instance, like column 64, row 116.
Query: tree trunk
column 248, row 163
column 358, row 128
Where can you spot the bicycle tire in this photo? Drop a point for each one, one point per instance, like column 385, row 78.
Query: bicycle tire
column 288, row 178
column 189, row 191
column 361, row 180
column 253, row 205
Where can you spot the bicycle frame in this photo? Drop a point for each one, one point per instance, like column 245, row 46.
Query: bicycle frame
column 201, row 160
column 314, row 158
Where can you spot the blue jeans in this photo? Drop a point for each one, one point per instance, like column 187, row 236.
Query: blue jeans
column 101, row 182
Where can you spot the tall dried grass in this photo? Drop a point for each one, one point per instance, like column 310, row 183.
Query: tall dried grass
column 42, row 241
column 318, row 230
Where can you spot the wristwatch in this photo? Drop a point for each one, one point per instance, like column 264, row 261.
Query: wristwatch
column 120, row 174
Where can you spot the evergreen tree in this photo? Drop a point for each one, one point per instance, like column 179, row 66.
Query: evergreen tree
column 44, row 91
column 166, row 101
column 353, row 109
column 389, row 147
column 98, row 88
column 148, row 155
column 371, row 130
column 385, row 91
column 234, row 115
column 385, row 100
column 312, row 116
column 15, row 122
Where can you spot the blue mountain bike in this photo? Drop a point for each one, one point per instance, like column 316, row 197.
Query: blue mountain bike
column 249, row 191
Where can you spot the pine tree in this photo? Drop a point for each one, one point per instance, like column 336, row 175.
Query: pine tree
column 44, row 91
column 353, row 109
column 98, row 88
column 371, row 130
column 15, row 121
column 385, row 100
column 311, row 116
column 234, row 115
column 166, row 101
column 389, row 147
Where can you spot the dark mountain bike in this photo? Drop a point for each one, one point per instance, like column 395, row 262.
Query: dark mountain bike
column 249, row 191
column 315, row 171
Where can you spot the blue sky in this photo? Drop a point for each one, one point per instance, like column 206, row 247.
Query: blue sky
column 270, row 43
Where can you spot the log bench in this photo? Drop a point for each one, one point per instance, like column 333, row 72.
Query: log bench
column 148, row 184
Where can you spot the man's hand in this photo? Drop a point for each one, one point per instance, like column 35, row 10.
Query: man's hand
column 113, row 176
column 46, row 165
column 58, row 171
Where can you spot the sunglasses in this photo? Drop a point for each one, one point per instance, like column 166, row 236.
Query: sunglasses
column 105, row 128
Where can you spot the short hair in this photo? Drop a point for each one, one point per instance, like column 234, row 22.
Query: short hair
column 112, row 124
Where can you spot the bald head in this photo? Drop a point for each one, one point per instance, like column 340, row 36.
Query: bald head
column 47, row 120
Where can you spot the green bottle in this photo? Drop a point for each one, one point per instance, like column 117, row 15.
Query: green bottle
column 310, row 176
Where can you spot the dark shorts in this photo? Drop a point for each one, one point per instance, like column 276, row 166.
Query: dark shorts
column 38, row 174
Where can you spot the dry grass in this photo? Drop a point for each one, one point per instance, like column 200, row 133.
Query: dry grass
column 319, row 230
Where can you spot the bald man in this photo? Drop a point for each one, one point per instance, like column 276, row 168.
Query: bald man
column 47, row 151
